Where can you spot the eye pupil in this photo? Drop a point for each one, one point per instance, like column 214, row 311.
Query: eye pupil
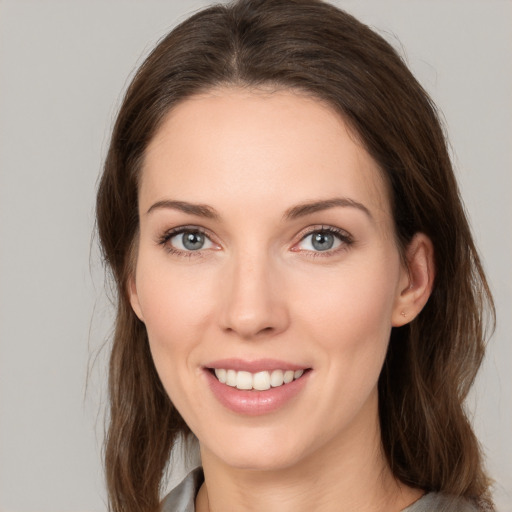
column 322, row 241
column 193, row 241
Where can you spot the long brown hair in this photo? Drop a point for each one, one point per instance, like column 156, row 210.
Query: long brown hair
column 431, row 362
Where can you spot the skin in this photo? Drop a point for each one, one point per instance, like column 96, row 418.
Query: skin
column 259, row 289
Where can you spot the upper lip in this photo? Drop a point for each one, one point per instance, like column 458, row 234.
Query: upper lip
column 257, row 365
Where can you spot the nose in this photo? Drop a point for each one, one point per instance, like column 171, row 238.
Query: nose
column 254, row 302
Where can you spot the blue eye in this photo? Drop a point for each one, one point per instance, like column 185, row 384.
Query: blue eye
column 188, row 240
column 322, row 240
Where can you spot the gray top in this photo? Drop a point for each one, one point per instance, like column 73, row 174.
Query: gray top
column 182, row 497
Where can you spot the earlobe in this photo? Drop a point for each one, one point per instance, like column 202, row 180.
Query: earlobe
column 134, row 298
column 417, row 280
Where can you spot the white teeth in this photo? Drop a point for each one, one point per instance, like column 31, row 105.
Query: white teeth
column 221, row 375
column 231, row 378
column 259, row 381
column 288, row 376
column 276, row 378
column 243, row 380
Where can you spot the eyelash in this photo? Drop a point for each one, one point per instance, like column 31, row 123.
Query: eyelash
column 166, row 237
column 343, row 236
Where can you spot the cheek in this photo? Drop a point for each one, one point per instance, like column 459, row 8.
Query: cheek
column 175, row 306
column 175, row 309
column 361, row 293
column 349, row 319
column 350, row 312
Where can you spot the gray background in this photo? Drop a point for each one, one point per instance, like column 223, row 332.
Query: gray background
column 63, row 65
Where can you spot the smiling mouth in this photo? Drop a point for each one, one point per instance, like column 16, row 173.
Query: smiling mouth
column 259, row 381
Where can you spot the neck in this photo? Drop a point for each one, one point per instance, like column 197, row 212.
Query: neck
column 349, row 473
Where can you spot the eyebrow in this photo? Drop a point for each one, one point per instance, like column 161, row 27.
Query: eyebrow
column 200, row 210
column 304, row 209
column 300, row 210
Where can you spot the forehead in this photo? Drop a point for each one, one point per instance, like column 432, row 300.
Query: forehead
column 256, row 145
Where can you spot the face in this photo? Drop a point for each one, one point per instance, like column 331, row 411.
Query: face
column 267, row 274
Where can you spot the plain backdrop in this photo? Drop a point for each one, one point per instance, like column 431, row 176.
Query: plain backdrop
column 63, row 67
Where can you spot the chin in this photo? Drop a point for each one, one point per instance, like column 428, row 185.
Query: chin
column 260, row 451
column 266, row 460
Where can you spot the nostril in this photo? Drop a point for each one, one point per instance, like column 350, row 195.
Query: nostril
column 248, row 332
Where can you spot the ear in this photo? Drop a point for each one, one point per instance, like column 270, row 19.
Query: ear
column 134, row 297
column 416, row 280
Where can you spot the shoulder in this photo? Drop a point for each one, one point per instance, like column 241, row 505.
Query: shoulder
column 438, row 502
column 182, row 497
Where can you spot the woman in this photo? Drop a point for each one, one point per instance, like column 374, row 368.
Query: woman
column 297, row 283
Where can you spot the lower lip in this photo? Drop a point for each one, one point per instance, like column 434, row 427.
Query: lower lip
column 255, row 403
